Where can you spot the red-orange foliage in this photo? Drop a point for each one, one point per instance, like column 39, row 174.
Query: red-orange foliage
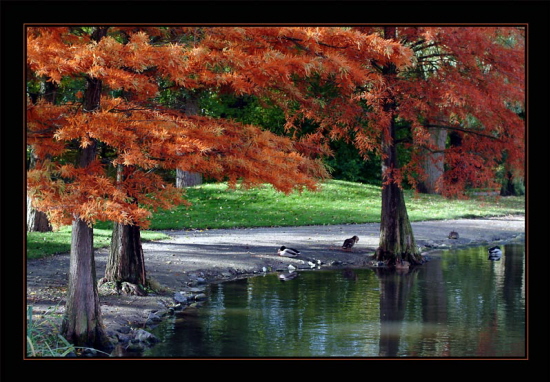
column 262, row 61
column 469, row 81
column 465, row 79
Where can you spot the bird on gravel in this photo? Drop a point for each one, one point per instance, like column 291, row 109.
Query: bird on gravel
column 453, row 235
column 495, row 253
column 287, row 252
column 349, row 243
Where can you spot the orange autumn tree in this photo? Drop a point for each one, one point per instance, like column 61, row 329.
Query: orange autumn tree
column 468, row 81
column 339, row 78
column 411, row 87
column 467, row 87
column 274, row 63
column 99, row 153
column 100, row 150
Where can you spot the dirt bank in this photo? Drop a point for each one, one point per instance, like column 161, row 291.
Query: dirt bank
column 197, row 257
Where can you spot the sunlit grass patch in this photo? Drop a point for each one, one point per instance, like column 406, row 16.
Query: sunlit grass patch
column 337, row 202
column 40, row 244
column 214, row 206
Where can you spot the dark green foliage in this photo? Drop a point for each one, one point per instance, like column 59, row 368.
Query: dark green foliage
column 347, row 164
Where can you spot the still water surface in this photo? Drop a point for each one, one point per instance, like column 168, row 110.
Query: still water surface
column 460, row 304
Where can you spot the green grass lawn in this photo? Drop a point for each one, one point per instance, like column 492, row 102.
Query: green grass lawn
column 338, row 202
column 40, row 244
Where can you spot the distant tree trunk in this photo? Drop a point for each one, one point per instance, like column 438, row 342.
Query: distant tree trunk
column 126, row 262
column 186, row 178
column 396, row 236
column 509, row 186
column 433, row 163
column 37, row 221
column 82, row 323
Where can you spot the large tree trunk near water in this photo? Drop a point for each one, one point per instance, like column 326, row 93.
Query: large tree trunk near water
column 82, row 323
column 396, row 236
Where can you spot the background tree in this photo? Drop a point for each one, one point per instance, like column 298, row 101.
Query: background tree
column 468, row 81
column 37, row 221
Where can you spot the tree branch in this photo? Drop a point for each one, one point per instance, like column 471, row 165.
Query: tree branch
column 464, row 130
column 435, row 55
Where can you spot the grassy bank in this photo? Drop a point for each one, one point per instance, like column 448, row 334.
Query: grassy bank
column 338, row 202
column 40, row 244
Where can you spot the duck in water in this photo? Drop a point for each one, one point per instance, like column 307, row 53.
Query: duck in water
column 495, row 253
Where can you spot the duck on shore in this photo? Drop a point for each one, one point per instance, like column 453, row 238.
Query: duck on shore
column 453, row 235
column 349, row 243
column 287, row 252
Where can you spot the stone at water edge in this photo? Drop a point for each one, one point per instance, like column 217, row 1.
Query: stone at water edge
column 144, row 336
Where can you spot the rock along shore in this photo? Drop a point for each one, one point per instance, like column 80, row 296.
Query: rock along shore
column 180, row 268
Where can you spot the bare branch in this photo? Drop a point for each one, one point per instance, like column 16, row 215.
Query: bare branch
column 456, row 128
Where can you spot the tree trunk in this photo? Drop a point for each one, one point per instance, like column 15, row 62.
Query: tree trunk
column 82, row 323
column 396, row 236
column 433, row 163
column 37, row 221
column 186, row 178
column 510, row 187
column 126, row 262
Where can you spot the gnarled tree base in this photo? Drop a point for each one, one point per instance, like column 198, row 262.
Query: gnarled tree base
column 126, row 262
column 397, row 242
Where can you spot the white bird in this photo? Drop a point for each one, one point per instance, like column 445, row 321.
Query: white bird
column 495, row 253
column 287, row 252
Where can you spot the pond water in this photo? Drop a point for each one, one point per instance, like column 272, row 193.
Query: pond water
column 460, row 304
